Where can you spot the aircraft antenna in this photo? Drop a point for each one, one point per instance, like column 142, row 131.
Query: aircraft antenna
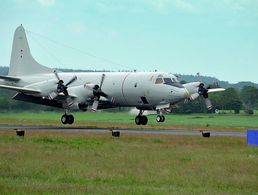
column 78, row 50
column 198, row 75
column 47, row 51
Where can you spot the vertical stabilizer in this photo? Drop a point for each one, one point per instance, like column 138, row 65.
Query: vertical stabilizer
column 22, row 62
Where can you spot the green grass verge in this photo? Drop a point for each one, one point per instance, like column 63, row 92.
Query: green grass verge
column 83, row 163
column 124, row 120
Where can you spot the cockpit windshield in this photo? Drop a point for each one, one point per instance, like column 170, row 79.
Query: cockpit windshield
column 159, row 81
column 168, row 81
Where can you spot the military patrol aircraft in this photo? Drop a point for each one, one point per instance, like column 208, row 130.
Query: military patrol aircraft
column 39, row 84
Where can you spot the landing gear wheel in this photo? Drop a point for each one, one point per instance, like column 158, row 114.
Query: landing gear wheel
column 163, row 118
column 160, row 118
column 144, row 120
column 67, row 119
column 64, row 119
column 138, row 120
column 141, row 120
column 70, row 119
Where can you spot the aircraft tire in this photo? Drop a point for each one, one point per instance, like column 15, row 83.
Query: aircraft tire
column 138, row 120
column 64, row 119
column 144, row 120
column 159, row 118
column 70, row 119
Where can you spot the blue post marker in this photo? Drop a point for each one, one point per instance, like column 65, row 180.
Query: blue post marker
column 252, row 137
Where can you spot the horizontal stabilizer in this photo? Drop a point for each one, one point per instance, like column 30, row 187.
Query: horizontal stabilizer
column 9, row 78
column 20, row 89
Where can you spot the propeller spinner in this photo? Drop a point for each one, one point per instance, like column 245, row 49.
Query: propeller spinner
column 97, row 93
column 202, row 91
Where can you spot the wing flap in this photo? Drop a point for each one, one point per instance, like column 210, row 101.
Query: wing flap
column 20, row 89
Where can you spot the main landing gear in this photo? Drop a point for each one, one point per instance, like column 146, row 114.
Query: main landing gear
column 141, row 119
column 67, row 119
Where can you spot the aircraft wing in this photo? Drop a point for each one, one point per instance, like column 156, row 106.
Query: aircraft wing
column 20, row 89
column 215, row 90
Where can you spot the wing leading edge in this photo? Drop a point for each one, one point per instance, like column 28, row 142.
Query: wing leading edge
column 20, row 89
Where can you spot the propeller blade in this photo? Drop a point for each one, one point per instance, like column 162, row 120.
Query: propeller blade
column 194, row 96
column 208, row 103
column 71, row 81
column 61, row 87
column 52, row 95
column 102, row 80
column 56, row 74
column 216, row 90
column 101, row 93
column 109, row 98
column 95, row 105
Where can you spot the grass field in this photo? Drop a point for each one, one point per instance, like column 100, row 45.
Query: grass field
column 228, row 122
column 91, row 163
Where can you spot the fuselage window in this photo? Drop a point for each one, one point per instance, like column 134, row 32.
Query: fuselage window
column 159, row 81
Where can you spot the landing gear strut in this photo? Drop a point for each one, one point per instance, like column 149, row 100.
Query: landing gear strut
column 67, row 119
column 141, row 119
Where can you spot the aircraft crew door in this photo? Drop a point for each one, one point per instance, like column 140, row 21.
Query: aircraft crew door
column 134, row 88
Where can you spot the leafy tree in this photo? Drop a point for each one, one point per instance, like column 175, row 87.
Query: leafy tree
column 249, row 97
column 183, row 82
column 196, row 106
column 227, row 100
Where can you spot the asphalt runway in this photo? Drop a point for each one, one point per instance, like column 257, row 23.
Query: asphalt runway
column 140, row 131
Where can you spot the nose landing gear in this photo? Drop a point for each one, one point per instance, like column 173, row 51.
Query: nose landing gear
column 160, row 118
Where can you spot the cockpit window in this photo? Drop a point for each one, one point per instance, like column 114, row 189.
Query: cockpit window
column 168, row 81
column 159, row 81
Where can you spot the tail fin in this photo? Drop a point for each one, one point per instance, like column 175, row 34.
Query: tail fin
column 22, row 62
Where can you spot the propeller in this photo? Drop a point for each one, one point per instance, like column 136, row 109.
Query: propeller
column 202, row 91
column 197, row 89
column 61, row 87
column 97, row 93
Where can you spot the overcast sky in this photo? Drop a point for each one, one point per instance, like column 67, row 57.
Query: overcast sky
column 216, row 38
